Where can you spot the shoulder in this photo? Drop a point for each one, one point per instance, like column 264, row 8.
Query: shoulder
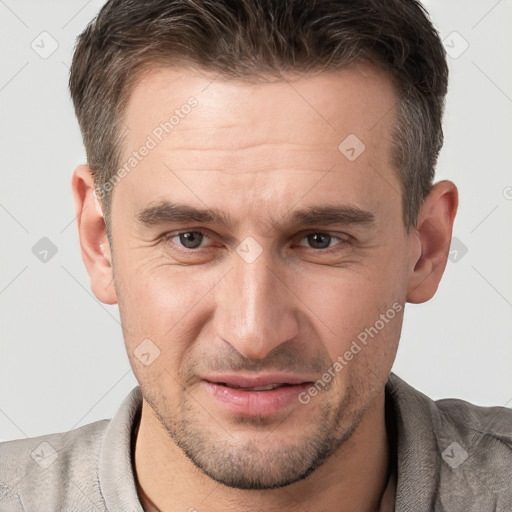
column 494, row 422
column 485, row 431
column 476, row 444
column 455, row 418
column 465, row 448
column 58, row 468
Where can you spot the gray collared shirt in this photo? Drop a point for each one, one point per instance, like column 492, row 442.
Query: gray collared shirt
column 452, row 456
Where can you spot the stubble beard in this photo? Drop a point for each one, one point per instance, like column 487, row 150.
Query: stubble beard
column 270, row 462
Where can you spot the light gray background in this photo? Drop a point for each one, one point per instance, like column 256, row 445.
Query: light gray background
column 62, row 357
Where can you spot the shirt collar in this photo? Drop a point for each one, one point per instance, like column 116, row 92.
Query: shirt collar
column 418, row 455
column 116, row 469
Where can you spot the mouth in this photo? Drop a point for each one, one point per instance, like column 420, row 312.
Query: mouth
column 262, row 395
column 267, row 387
column 257, row 381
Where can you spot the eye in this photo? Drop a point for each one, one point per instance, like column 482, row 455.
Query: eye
column 188, row 239
column 320, row 240
column 191, row 240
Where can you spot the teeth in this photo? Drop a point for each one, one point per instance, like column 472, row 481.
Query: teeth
column 264, row 388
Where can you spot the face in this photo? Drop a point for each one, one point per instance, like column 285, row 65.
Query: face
column 253, row 252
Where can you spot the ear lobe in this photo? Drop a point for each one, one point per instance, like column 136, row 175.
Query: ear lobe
column 93, row 236
column 433, row 234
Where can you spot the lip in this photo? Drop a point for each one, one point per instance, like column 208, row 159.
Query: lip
column 256, row 380
column 246, row 402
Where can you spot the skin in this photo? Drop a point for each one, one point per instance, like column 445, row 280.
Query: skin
column 258, row 153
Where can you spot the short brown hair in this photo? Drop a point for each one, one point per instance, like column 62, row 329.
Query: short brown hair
column 247, row 39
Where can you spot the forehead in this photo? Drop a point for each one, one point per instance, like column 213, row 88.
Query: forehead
column 356, row 98
column 248, row 138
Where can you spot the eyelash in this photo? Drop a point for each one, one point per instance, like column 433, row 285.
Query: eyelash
column 167, row 237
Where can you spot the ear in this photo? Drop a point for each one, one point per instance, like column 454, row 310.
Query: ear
column 93, row 236
column 430, row 242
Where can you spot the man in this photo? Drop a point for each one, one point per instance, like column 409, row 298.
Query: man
column 259, row 201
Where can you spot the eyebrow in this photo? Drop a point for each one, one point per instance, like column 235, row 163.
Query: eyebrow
column 167, row 212
column 171, row 212
column 333, row 215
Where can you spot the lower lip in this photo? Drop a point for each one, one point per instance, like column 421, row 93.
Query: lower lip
column 255, row 403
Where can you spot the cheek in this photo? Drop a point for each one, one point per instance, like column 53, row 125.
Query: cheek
column 362, row 305
column 165, row 308
column 167, row 304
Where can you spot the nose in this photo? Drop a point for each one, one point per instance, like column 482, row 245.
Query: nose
column 255, row 309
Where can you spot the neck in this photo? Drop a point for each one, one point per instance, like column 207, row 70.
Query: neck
column 356, row 477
